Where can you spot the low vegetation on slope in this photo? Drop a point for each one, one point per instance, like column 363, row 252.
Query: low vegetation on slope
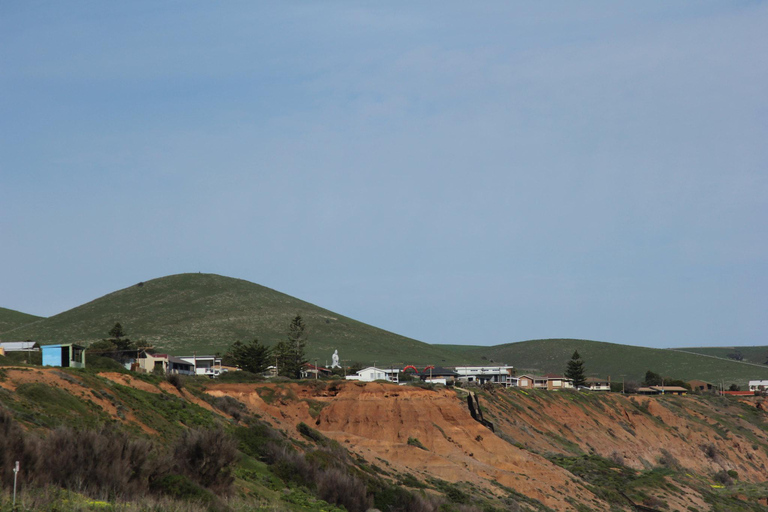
column 614, row 360
column 157, row 444
column 206, row 313
column 664, row 452
column 10, row 319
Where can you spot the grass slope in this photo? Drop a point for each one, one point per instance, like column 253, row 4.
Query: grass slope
column 10, row 319
column 614, row 360
column 205, row 313
column 754, row 354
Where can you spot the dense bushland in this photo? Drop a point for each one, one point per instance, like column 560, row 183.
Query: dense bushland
column 108, row 463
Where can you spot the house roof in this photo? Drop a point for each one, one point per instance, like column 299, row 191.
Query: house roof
column 54, row 345
column 178, row 360
column 377, row 369
column 438, row 371
column 16, row 346
column 669, row 388
column 313, row 367
column 595, row 380
column 554, row 376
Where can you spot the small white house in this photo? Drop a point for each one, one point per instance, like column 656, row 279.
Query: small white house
column 209, row 366
column 481, row 374
column 372, row 373
column 755, row 385
column 596, row 384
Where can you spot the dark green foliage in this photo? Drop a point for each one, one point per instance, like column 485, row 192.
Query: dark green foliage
column 734, row 387
column 228, row 405
column 259, row 440
column 575, row 370
column 108, row 462
column 113, row 463
column 290, row 353
column 18, row 358
column 181, row 487
column 207, row 457
column 100, row 363
column 412, row 441
column 119, row 337
column 175, row 380
column 310, row 433
column 652, row 379
column 242, row 376
column 15, row 445
column 253, row 357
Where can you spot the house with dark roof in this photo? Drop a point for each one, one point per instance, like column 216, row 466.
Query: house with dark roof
column 438, row 375
column 597, row 384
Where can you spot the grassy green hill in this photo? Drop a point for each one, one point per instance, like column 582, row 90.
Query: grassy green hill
column 614, row 360
column 754, row 354
column 206, row 313
column 10, row 319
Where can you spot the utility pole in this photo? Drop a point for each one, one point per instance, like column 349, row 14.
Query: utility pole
column 316, row 370
column 15, row 474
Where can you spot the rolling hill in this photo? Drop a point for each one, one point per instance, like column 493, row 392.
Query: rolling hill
column 205, row 313
column 754, row 354
column 10, row 319
column 610, row 359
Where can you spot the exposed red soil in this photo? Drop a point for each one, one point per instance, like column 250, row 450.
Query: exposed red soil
column 377, row 420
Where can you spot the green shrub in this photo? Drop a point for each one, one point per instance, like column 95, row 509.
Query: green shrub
column 412, row 441
column 181, row 487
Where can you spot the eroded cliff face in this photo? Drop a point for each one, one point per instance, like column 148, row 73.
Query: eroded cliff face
column 430, row 434
column 377, row 421
column 698, row 436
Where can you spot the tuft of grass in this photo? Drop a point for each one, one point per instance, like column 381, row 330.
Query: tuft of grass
column 412, row 441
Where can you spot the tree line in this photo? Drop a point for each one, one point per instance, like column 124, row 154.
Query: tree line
column 288, row 354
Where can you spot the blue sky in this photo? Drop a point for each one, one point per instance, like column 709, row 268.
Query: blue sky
column 450, row 172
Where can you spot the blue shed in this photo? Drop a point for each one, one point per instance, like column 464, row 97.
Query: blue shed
column 64, row 356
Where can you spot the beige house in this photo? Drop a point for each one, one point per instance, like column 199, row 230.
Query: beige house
column 164, row 363
column 558, row 382
column 532, row 382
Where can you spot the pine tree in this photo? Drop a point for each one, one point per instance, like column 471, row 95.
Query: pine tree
column 119, row 338
column 575, row 370
column 252, row 357
column 290, row 353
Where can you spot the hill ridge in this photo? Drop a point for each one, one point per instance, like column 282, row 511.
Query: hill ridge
column 182, row 313
column 11, row 319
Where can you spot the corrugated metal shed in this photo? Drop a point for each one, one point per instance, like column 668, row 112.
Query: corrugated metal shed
column 19, row 346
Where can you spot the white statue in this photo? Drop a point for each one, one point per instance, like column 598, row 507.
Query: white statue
column 335, row 360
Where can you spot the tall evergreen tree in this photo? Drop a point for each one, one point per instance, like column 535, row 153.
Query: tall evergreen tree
column 290, row 352
column 119, row 337
column 575, row 370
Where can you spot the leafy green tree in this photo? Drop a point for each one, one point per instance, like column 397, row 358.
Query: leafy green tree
column 290, row 352
column 652, row 379
column 575, row 370
column 252, row 357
